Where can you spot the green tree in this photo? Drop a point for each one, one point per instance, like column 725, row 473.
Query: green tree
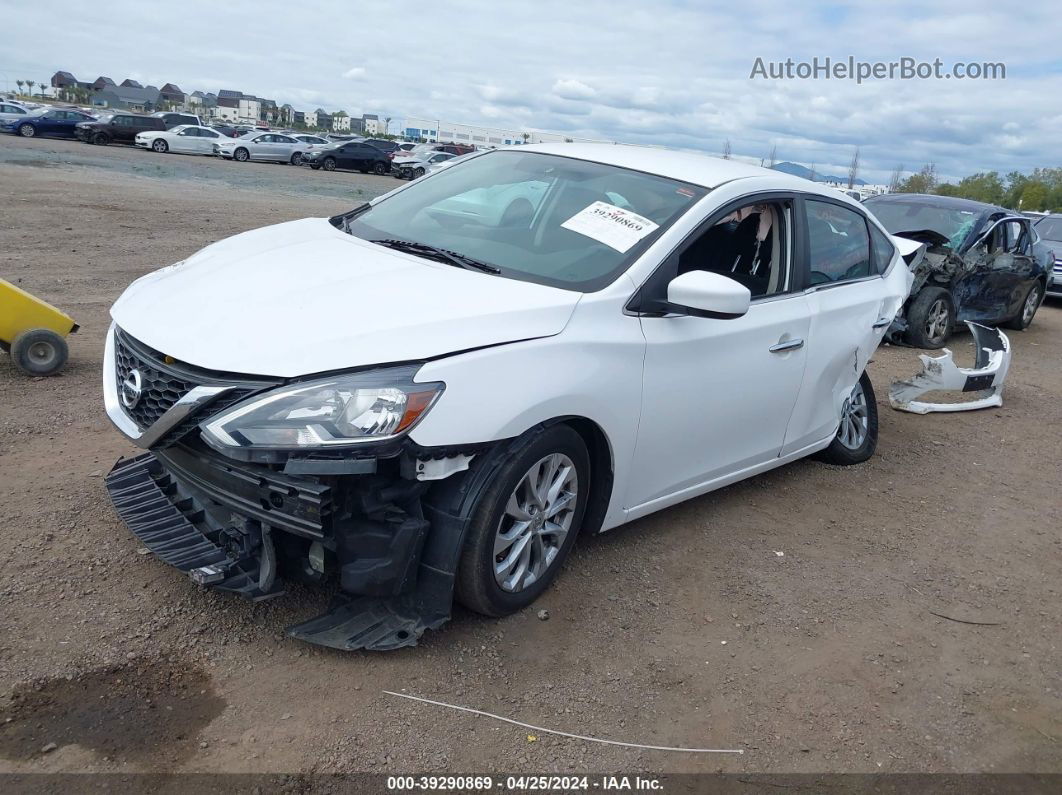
column 982, row 187
column 1034, row 197
column 20, row 83
column 923, row 182
column 30, row 84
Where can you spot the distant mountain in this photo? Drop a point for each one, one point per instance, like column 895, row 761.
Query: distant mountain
column 798, row 170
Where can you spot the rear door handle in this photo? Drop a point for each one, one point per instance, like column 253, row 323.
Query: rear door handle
column 786, row 345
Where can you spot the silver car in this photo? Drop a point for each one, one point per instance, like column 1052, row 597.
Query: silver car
column 418, row 166
column 276, row 147
column 12, row 111
column 313, row 140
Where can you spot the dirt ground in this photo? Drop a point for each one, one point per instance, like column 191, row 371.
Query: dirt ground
column 793, row 616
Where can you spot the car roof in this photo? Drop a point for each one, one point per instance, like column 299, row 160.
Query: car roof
column 691, row 167
column 932, row 200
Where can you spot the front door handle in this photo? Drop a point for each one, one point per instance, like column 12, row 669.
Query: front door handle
column 882, row 322
column 786, row 345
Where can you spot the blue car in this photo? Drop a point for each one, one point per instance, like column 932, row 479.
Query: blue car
column 57, row 121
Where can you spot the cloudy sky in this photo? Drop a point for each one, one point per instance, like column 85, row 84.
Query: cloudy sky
column 668, row 72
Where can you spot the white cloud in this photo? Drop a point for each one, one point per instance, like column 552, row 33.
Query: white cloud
column 569, row 88
column 355, row 73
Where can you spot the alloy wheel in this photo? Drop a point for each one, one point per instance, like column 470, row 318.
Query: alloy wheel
column 854, row 419
column 1032, row 301
column 538, row 517
column 937, row 319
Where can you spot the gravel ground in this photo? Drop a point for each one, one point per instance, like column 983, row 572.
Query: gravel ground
column 687, row 628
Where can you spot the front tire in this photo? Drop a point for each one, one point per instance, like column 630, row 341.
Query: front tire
column 379, row 169
column 930, row 318
column 39, row 352
column 329, row 164
column 418, row 173
column 296, row 159
column 160, row 146
column 241, row 155
column 27, row 130
column 1024, row 318
column 525, row 523
column 857, row 435
column 101, row 139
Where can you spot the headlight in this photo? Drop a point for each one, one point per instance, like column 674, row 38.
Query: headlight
column 337, row 412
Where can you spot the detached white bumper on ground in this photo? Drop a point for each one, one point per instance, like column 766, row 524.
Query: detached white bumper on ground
column 941, row 373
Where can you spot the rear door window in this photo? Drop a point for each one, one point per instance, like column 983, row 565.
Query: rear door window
column 839, row 243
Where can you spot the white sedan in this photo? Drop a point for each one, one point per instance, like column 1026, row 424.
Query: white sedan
column 275, row 147
column 188, row 139
column 628, row 328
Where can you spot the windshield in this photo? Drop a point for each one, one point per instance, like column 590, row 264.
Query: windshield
column 900, row 216
column 1050, row 229
column 541, row 218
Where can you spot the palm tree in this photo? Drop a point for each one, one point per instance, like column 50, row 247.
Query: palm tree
column 20, row 83
column 44, row 86
column 525, row 136
column 30, row 84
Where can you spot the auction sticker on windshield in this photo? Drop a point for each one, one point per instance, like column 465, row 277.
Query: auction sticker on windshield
column 606, row 223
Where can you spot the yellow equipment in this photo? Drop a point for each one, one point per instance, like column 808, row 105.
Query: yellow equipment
column 33, row 331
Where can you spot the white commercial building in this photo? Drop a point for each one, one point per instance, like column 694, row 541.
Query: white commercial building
column 442, row 131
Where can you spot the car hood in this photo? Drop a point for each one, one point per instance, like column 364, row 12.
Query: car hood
column 304, row 297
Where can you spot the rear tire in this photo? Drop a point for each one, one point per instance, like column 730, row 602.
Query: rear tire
column 101, row 139
column 857, row 436
column 39, row 352
column 930, row 318
column 496, row 531
column 1029, row 305
column 417, row 173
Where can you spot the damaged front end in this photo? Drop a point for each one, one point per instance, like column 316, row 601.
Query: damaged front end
column 941, row 373
column 383, row 524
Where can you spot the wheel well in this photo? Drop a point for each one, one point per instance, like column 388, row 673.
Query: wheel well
column 601, row 469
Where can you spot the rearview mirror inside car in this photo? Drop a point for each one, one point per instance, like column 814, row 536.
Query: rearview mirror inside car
column 706, row 294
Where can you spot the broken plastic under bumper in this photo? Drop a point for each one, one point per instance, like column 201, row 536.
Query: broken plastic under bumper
column 941, row 373
column 223, row 524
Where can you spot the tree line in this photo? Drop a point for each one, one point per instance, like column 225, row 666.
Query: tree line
column 1040, row 190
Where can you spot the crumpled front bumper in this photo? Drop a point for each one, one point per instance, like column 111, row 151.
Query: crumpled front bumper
column 941, row 373
column 246, row 529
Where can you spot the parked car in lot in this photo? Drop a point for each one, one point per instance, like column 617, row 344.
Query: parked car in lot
column 119, row 128
column 313, row 140
column 438, row 408
column 414, row 167
column 353, row 155
column 55, row 121
column 983, row 264
column 263, row 146
column 191, row 139
column 1049, row 229
column 172, row 118
column 385, row 146
column 226, row 130
column 12, row 111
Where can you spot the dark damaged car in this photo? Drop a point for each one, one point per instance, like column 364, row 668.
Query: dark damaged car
column 982, row 263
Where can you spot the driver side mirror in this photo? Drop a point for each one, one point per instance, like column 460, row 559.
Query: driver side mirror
column 711, row 295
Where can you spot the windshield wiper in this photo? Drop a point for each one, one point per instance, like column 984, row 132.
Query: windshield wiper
column 438, row 254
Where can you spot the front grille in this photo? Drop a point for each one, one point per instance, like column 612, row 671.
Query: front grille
column 164, row 382
column 160, row 388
